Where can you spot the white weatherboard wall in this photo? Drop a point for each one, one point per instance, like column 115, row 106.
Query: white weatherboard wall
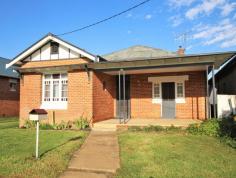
column 44, row 53
column 223, row 106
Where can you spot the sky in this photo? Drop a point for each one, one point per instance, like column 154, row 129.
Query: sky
column 201, row 26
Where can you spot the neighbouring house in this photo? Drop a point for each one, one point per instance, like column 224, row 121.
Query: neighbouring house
column 137, row 82
column 225, row 84
column 225, row 78
column 9, row 90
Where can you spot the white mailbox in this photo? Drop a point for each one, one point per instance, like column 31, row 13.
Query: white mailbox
column 38, row 114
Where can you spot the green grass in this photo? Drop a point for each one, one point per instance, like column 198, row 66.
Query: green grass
column 150, row 154
column 17, row 150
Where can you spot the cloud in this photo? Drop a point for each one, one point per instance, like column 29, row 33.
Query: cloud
column 206, row 7
column 176, row 20
column 148, row 16
column 180, row 3
column 228, row 8
column 129, row 15
column 222, row 33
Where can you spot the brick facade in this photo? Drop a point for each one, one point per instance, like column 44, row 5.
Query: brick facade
column 79, row 97
column 195, row 97
column 9, row 100
column 104, row 87
column 93, row 96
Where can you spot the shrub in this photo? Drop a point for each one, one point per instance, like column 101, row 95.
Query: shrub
column 156, row 128
column 173, row 128
column 193, row 129
column 46, row 126
column 228, row 127
column 81, row 123
column 209, row 127
column 29, row 124
column 61, row 126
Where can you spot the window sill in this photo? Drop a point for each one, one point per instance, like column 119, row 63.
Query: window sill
column 54, row 105
column 159, row 100
column 180, row 100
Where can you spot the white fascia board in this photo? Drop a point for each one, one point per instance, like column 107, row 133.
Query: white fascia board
column 29, row 51
column 42, row 42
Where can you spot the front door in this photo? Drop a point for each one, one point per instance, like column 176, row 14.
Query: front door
column 123, row 105
column 168, row 100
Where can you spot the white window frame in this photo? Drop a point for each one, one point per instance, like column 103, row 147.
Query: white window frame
column 51, row 102
column 162, row 79
column 179, row 99
column 156, row 99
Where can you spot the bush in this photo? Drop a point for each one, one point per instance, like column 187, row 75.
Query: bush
column 193, row 129
column 81, row 123
column 29, row 124
column 46, row 126
column 209, row 127
column 225, row 127
column 173, row 128
column 156, row 128
column 228, row 127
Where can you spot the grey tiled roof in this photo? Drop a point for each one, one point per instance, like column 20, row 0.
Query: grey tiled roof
column 7, row 72
column 138, row 52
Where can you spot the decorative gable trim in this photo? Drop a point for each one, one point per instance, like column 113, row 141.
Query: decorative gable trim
column 43, row 41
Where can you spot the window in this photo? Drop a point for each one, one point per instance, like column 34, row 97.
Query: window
column 180, row 90
column 55, row 88
column 156, row 90
column 13, row 84
column 54, row 48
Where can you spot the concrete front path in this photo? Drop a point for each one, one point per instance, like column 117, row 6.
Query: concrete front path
column 97, row 158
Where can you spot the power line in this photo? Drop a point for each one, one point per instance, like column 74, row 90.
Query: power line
column 104, row 20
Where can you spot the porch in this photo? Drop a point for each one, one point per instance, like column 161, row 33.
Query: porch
column 113, row 124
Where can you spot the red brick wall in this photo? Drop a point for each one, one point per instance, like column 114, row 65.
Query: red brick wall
column 195, row 92
column 79, row 97
column 9, row 100
column 103, row 96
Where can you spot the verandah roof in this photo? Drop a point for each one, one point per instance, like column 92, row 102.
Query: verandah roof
column 215, row 59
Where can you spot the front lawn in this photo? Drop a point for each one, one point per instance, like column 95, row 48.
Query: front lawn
column 17, row 150
column 150, row 154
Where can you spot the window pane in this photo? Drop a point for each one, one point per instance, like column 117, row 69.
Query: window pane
column 64, row 76
column 180, row 90
column 46, row 90
column 64, row 88
column 47, row 76
column 55, row 89
column 56, row 76
column 156, row 90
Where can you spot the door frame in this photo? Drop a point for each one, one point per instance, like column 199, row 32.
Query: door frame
column 173, row 99
column 127, row 95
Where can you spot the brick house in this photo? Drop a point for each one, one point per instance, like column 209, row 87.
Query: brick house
column 9, row 90
column 138, row 82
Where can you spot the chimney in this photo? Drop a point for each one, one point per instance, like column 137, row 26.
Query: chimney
column 181, row 51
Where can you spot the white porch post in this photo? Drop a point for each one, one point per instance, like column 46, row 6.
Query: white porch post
column 214, row 91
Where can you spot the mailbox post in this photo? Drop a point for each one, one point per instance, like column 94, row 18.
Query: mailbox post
column 37, row 115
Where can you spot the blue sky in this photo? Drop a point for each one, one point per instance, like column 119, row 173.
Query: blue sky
column 209, row 25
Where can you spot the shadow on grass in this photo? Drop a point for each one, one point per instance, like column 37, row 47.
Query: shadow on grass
column 51, row 149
